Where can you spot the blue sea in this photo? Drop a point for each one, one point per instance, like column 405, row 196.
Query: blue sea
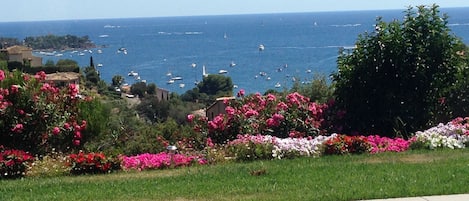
column 296, row 46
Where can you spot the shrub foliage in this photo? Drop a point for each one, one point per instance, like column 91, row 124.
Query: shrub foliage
column 399, row 77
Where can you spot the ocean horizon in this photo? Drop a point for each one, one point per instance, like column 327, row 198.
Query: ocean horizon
column 258, row 51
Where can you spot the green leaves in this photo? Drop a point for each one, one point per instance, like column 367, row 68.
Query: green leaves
column 399, row 71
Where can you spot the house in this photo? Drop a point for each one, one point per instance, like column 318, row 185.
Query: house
column 162, row 94
column 22, row 54
column 61, row 79
column 218, row 107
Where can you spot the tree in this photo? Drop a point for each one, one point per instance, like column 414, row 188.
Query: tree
column 396, row 79
column 139, row 89
column 117, row 80
column 216, row 86
column 49, row 63
column 66, row 63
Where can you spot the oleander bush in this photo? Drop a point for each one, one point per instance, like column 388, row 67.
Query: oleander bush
column 14, row 163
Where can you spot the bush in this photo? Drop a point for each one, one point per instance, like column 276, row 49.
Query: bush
column 14, row 163
column 342, row 144
column 37, row 116
column 292, row 115
column 251, row 147
column 398, row 78
column 90, row 163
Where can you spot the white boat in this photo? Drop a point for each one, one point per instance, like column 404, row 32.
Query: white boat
column 232, row 64
column 100, row 51
column 81, row 54
column 177, row 78
column 170, row 81
column 169, row 74
column 103, row 36
column 59, row 55
column 204, row 72
column 132, row 73
column 308, row 71
column 235, row 86
column 278, row 85
column 261, row 48
column 100, row 65
column 222, row 71
column 193, row 65
column 182, row 85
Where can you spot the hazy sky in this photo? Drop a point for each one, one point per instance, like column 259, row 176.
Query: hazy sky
column 33, row 10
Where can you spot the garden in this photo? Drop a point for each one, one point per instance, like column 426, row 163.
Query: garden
column 374, row 138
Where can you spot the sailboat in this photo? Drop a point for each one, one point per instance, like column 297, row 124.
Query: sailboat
column 204, row 72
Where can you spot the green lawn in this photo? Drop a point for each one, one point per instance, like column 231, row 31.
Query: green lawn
column 413, row 173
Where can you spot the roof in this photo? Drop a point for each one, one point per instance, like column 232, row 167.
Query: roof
column 63, row 76
column 17, row 49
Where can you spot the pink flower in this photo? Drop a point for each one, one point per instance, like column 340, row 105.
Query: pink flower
column 76, row 142
column 14, row 88
column 230, row 110
column 73, row 90
column 77, row 135
column 18, row 128
column 251, row 113
column 190, row 117
column 2, row 75
column 56, row 130
column 282, row 106
column 41, row 75
column 66, row 126
column 241, row 93
column 209, row 142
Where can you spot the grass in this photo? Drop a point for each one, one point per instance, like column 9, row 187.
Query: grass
column 413, row 173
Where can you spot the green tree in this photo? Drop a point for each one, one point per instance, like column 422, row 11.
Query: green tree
column 49, row 63
column 66, row 63
column 216, row 86
column 395, row 79
column 117, row 80
column 139, row 89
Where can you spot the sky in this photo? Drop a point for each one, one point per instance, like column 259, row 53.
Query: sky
column 40, row 10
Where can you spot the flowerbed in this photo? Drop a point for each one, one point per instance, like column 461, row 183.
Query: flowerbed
column 13, row 163
column 89, row 163
column 454, row 134
column 158, row 161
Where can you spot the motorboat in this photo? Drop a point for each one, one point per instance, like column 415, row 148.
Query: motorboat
column 222, row 71
column 132, row 73
column 100, row 65
column 177, row 78
column 182, row 85
column 170, row 81
column 278, row 85
column 261, row 47
column 232, row 64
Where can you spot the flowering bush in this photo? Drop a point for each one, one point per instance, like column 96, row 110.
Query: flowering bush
column 291, row 116
column 158, row 161
column 37, row 116
column 90, row 163
column 343, row 144
column 385, row 144
column 294, row 147
column 251, row 147
column 13, row 163
column 454, row 134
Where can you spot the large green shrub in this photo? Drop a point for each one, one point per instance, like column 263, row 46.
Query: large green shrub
column 398, row 77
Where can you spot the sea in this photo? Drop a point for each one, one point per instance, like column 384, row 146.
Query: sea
column 259, row 51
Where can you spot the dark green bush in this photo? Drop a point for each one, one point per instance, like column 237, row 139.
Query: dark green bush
column 398, row 77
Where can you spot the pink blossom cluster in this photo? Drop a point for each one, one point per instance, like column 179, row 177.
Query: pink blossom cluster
column 256, row 139
column 158, row 161
column 384, row 144
column 38, row 110
column 270, row 114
